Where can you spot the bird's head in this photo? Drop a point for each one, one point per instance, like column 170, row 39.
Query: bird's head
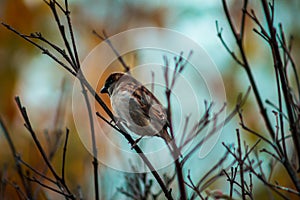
column 110, row 83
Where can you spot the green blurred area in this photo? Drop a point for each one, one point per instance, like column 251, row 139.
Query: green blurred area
column 39, row 82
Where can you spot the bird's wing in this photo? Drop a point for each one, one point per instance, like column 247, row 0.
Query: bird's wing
column 146, row 106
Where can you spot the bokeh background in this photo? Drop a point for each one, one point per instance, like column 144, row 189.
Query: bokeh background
column 46, row 89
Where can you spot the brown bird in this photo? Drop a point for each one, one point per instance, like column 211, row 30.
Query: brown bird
column 136, row 107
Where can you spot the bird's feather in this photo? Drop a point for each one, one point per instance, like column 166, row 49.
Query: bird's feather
column 136, row 105
column 147, row 106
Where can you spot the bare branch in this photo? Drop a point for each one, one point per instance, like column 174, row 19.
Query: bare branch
column 15, row 156
column 107, row 40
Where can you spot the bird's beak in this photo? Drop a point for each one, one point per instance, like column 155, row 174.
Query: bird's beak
column 104, row 90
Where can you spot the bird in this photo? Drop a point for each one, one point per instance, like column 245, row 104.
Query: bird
column 136, row 107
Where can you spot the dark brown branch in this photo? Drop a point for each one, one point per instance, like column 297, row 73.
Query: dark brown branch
column 50, row 188
column 39, row 146
column 67, row 14
column 98, row 99
column 276, row 108
column 15, row 156
column 20, row 193
column 207, row 174
column 93, row 138
column 36, row 171
column 260, row 176
column 198, row 127
column 219, row 34
column 286, row 189
column 271, row 154
column 259, row 135
column 107, row 40
column 64, row 156
column 263, row 33
column 192, row 185
column 231, row 180
column 142, row 155
column 61, row 28
column 44, row 50
column 288, row 57
column 278, row 65
column 246, row 66
column 241, row 163
column 243, row 20
column 240, row 102
column 180, row 64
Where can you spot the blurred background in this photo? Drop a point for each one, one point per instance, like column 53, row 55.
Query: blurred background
column 46, row 89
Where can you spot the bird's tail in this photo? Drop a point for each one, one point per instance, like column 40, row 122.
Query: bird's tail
column 171, row 143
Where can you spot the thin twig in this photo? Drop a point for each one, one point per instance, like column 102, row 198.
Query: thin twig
column 219, row 34
column 260, row 176
column 39, row 146
column 212, row 169
column 36, row 171
column 107, row 40
column 68, row 196
column 278, row 65
column 246, row 66
column 195, row 188
column 64, row 156
column 44, row 50
column 241, row 163
column 20, row 193
column 93, row 138
column 241, row 101
column 17, row 163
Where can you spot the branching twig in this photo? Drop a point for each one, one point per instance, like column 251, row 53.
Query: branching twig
column 15, row 156
column 74, row 69
column 107, row 40
column 240, row 102
column 61, row 184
